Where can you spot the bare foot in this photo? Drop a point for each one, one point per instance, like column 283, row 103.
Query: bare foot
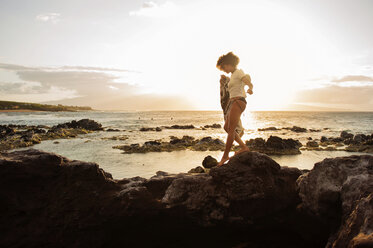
column 242, row 150
column 222, row 161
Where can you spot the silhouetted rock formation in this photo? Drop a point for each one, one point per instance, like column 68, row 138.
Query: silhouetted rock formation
column 50, row 201
column 274, row 146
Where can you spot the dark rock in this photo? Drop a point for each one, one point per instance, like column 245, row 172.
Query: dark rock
column 336, row 140
column 180, row 127
column 282, row 144
column 314, row 130
column 215, row 125
column 312, row 144
column 268, row 129
column 309, row 138
column 348, row 141
column 358, row 138
column 251, row 200
column 198, row 169
column 323, row 139
column 83, row 123
column 119, row 137
column 175, row 144
column 15, row 136
column 340, row 190
column 257, row 142
column 184, row 140
column 209, row 162
column 146, row 129
column 298, row 129
column 346, row 135
column 153, row 143
column 274, row 145
column 112, row 130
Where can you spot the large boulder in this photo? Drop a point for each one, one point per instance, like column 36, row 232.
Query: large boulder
column 250, row 187
column 50, row 201
column 341, row 190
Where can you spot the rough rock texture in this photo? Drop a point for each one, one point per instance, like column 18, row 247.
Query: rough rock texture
column 250, row 187
column 15, row 136
column 209, row 162
column 83, row 123
column 341, row 190
column 345, row 142
column 274, row 146
column 51, row 201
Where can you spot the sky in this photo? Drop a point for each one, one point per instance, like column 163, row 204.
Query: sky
column 161, row 55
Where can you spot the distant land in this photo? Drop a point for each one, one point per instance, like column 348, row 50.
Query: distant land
column 25, row 106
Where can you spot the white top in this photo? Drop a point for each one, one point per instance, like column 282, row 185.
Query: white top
column 235, row 85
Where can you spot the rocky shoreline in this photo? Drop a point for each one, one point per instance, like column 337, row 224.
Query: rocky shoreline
column 50, row 201
column 273, row 146
column 345, row 142
column 15, row 136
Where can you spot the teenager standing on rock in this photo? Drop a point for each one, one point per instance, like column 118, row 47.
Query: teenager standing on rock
column 237, row 102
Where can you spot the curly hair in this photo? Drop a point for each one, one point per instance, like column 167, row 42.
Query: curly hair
column 229, row 59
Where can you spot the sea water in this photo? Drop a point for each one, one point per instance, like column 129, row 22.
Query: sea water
column 93, row 147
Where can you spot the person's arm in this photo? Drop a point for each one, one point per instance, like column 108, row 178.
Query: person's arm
column 247, row 80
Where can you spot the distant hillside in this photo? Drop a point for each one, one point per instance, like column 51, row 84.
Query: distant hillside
column 7, row 105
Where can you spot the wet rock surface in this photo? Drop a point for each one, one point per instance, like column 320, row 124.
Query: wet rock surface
column 15, row 136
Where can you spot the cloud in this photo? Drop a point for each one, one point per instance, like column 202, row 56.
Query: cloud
column 97, row 87
column 353, row 78
column 91, row 68
column 21, row 88
column 48, row 17
column 336, row 95
column 152, row 9
column 13, row 67
column 83, row 80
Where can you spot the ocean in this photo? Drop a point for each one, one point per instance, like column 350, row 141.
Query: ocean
column 94, row 147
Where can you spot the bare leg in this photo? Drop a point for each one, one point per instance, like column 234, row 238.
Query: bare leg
column 237, row 137
column 233, row 118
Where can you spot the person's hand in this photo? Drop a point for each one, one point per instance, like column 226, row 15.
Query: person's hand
column 250, row 91
column 223, row 78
